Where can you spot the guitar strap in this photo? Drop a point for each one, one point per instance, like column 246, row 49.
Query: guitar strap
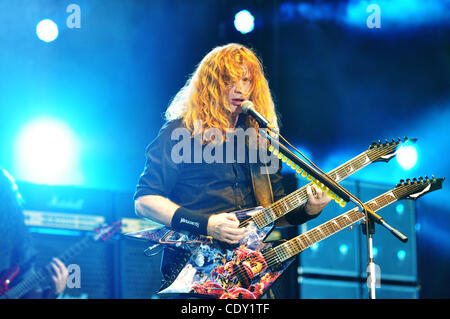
column 262, row 186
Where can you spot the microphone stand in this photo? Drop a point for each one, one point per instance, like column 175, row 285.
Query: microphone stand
column 346, row 196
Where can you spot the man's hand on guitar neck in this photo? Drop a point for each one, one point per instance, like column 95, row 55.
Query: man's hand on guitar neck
column 59, row 274
column 317, row 200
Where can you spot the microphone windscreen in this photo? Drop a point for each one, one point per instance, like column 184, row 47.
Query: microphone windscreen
column 246, row 105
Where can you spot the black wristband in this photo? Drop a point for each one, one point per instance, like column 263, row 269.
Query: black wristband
column 299, row 216
column 195, row 223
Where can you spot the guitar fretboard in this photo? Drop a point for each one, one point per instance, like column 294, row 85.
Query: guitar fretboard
column 300, row 243
column 299, row 197
column 34, row 279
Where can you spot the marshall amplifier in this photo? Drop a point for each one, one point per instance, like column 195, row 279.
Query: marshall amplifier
column 60, row 217
column 66, row 199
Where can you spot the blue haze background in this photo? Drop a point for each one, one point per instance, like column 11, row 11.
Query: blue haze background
column 338, row 85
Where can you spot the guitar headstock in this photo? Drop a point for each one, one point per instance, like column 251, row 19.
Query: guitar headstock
column 415, row 188
column 384, row 152
column 105, row 232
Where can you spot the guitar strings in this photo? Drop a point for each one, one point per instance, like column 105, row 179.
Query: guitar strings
column 272, row 256
column 283, row 253
column 283, row 250
column 300, row 194
column 241, row 272
column 275, row 256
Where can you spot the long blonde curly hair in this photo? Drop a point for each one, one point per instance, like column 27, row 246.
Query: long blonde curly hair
column 204, row 97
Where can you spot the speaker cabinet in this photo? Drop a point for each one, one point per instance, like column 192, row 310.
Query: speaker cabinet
column 394, row 292
column 397, row 260
column 96, row 269
column 345, row 253
column 314, row 288
column 338, row 255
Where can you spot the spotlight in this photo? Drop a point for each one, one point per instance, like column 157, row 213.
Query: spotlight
column 400, row 208
column 47, row 30
column 407, row 156
column 375, row 251
column 46, row 153
column 401, row 255
column 244, row 21
column 343, row 249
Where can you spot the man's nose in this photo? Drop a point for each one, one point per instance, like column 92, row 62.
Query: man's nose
column 238, row 88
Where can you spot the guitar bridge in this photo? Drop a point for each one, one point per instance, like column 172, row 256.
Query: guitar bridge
column 270, row 258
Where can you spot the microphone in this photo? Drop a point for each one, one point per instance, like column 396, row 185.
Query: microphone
column 248, row 108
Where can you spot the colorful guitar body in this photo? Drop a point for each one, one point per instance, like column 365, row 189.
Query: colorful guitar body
column 222, row 271
column 212, row 263
column 247, row 270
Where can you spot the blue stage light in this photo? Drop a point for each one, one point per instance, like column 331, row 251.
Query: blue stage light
column 47, row 30
column 11, row 179
column 244, row 21
column 417, row 227
column 47, row 153
column 375, row 251
column 407, row 156
column 343, row 249
column 398, row 13
column 401, row 255
column 400, row 208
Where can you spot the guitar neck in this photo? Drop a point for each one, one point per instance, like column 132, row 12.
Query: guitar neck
column 299, row 197
column 34, row 279
column 319, row 233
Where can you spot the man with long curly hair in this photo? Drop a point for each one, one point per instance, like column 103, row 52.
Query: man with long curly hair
column 196, row 194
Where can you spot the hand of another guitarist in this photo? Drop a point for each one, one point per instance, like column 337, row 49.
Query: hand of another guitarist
column 225, row 227
column 59, row 275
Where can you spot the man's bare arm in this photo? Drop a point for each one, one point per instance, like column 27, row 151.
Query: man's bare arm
column 157, row 208
column 160, row 209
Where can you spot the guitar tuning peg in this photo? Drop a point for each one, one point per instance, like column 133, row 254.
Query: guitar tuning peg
column 414, row 180
column 408, row 180
column 421, row 178
column 402, row 181
column 393, row 140
column 426, row 178
column 379, row 141
column 434, row 178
